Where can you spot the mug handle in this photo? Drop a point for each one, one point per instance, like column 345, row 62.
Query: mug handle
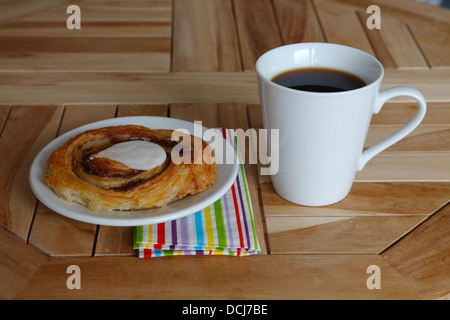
column 382, row 97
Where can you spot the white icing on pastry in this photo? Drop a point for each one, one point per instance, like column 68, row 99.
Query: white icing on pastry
column 135, row 154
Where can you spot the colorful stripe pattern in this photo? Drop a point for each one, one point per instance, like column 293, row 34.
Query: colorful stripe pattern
column 226, row 227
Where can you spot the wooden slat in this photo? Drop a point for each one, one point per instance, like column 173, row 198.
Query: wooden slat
column 336, row 235
column 58, row 236
column 32, row 45
column 114, row 62
column 366, row 199
column 408, row 166
column 117, row 11
column 298, row 21
column 159, row 110
column 258, row 30
column 342, row 25
column 126, row 88
column 255, row 116
column 51, row 232
column 153, row 62
column 204, row 36
column 177, row 87
column 259, row 277
column 114, row 241
column 122, row 29
column 399, row 113
column 423, row 138
column 78, row 115
column 434, row 41
column 394, row 44
column 27, row 131
column 12, row 9
column 207, row 113
column 422, row 257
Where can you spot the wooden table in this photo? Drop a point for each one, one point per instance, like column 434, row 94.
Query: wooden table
column 194, row 60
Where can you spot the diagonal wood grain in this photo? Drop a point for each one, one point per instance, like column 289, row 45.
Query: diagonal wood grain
column 404, row 9
column 298, row 21
column 393, row 44
column 434, row 41
column 342, row 25
column 423, row 256
column 4, row 111
column 428, row 25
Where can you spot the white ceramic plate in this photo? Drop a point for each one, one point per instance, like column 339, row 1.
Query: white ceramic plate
column 226, row 175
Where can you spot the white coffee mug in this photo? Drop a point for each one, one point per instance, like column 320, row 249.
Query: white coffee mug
column 322, row 135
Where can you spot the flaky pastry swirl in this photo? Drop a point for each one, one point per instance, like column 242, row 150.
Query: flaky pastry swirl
column 102, row 184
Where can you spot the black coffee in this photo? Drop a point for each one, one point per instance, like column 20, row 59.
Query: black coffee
column 319, row 80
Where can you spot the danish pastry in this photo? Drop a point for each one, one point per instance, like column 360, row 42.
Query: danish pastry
column 77, row 172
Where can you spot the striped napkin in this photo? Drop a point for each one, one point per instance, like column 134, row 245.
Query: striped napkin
column 226, row 227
